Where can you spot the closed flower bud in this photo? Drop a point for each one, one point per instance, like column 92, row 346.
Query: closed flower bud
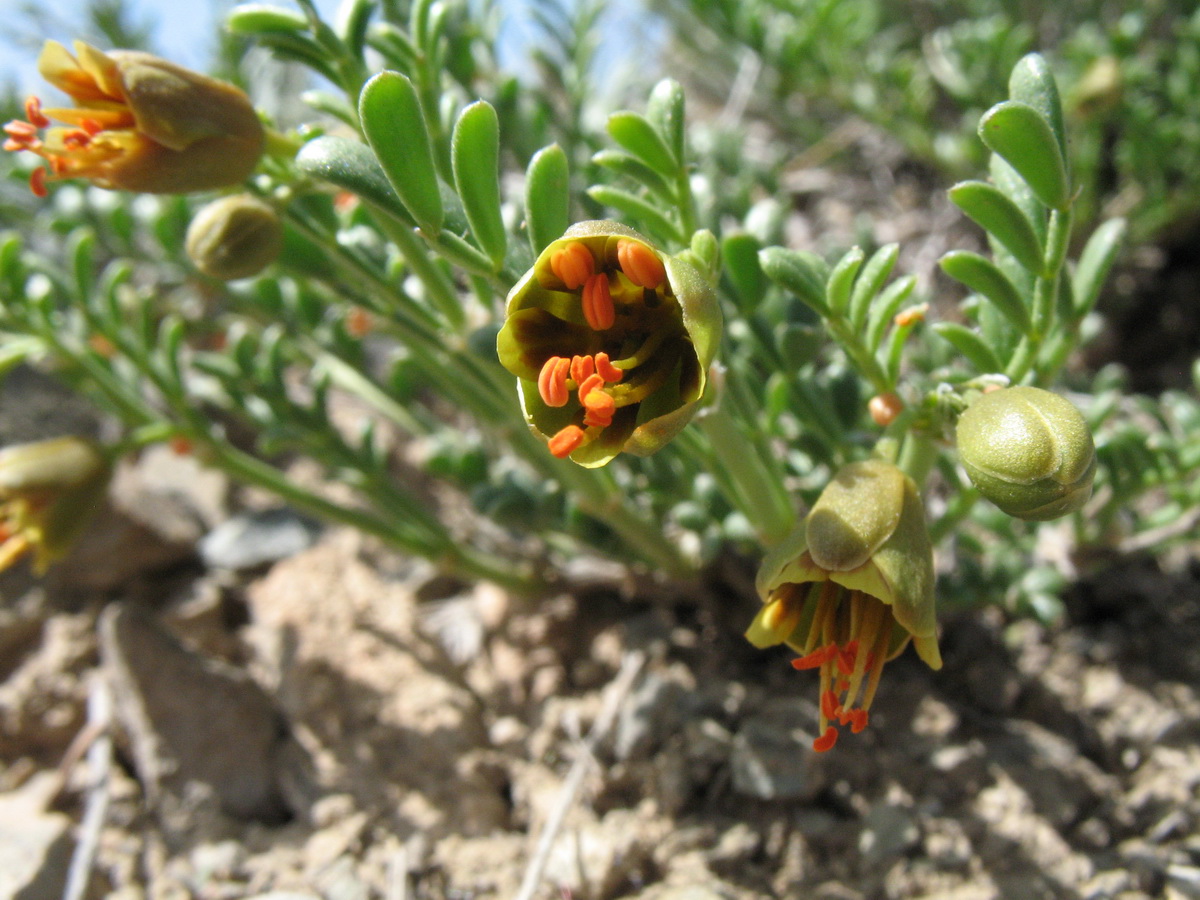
column 139, row 123
column 49, row 491
column 1028, row 451
column 849, row 588
column 234, row 237
column 611, row 341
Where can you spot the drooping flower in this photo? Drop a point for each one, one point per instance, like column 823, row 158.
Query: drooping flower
column 49, row 491
column 139, row 123
column 849, row 588
column 1028, row 451
column 611, row 341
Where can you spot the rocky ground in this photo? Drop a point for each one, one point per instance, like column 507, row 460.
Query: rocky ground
column 227, row 702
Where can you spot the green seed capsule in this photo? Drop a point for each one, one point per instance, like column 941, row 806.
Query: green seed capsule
column 1029, row 452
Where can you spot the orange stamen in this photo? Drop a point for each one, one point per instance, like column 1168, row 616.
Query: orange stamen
column 76, row 140
column 826, row 741
column 845, row 658
column 640, row 264
column 591, row 383
column 829, row 705
column 566, row 441
column 20, row 130
column 610, row 373
column 816, row 659
column 597, row 303
column 572, row 265
column 33, row 112
column 858, row 720
column 582, row 368
column 599, row 408
column 552, row 381
column 37, row 182
column 93, row 128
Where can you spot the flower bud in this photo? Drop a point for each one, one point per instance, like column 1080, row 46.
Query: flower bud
column 850, row 587
column 1028, row 451
column 610, row 340
column 234, row 237
column 139, row 123
column 49, row 491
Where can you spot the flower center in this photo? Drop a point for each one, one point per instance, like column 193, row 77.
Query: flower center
column 625, row 306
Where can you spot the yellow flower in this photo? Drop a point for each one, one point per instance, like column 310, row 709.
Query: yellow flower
column 49, row 491
column 139, row 123
column 850, row 588
column 611, row 341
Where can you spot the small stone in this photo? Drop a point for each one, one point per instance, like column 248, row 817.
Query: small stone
column 772, row 756
column 647, row 716
column 35, row 845
column 1106, row 885
column 192, row 721
column 252, row 540
column 1185, row 879
column 888, row 831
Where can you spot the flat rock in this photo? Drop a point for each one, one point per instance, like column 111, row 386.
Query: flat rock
column 35, row 845
column 772, row 756
column 255, row 539
column 194, row 721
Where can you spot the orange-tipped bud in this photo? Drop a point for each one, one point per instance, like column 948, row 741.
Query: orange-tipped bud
column 640, row 264
column 884, row 408
column 567, row 441
column 573, row 265
column 598, row 306
column 552, row 382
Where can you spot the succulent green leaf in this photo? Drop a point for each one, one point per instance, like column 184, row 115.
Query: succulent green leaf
column 885, row 308
column 352, row 167
column 547, row 196
column 633, row 168
column 635, row 207
column 740, row 254
column 395, row 128
column 804, row 274
column 870, row 282
column 83, row 265
column 970, row 345
column 982, row 276
column 1094, row 265
column 355, row 17
column 1021, row 135
column 1001, row 218
column 665, row 110
column 841, row 281
column 1033, row 83
column 475, row 154
column 257, row 18
column 394, row 44
column 635, row 133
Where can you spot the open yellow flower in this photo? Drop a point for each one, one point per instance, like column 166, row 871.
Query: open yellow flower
column 849, row 588
column 139, row 123
column 611, row 341
column 49, row 491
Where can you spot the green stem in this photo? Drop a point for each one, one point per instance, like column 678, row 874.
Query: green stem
column 918, row 455
column 761, row 495
column 1045, row 295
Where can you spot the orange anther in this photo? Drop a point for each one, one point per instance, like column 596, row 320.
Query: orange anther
column 858, row 720
column 76, row 140
column 20, row 130
column 91, row 126
column 597, row 303
column 358, row 322
column 37, row 182
column 552, row 381
column 572, row 265
column 845, row 661
column 911, row 316
column 33, row 112
column 829, row 705
column 826, row 741
column 606, row 370
column 599, row 408
column 582, row 368
column 640, row 264
column 591, row 383
column 17, row 144
column 816, row 659
column 566, row 441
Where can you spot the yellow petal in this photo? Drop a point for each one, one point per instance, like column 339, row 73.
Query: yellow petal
column 102, row 68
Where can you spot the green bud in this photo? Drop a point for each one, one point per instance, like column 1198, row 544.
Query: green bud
column 234, row 237
column 611, row 341
column 49, row 491
column 1028, row 451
